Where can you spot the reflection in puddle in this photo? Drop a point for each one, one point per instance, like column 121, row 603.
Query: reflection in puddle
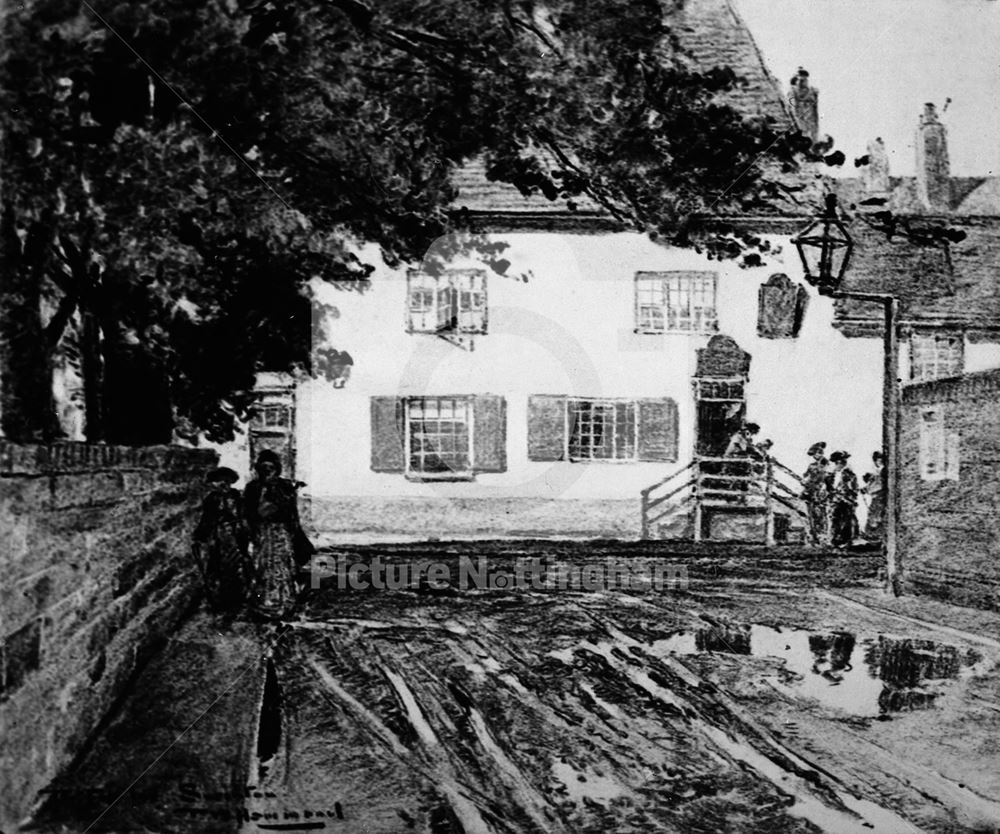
column 865, row 676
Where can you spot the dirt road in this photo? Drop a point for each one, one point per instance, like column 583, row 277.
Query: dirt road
column 776, row 695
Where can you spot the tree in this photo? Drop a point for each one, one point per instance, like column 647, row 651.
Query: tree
column 183, row 170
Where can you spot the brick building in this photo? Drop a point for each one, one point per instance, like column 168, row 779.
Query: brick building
column 949, row 329
column 950, row 488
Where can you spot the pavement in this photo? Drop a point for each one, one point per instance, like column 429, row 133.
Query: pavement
column 738, row 691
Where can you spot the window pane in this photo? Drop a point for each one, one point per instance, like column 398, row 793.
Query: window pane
column 685, row 301
column 455, row 300
column 935, row 356
column 601, row 430
column 439, row 435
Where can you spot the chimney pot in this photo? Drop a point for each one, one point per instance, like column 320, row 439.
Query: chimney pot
column 876, row 173
column 933, row 168
column 804, row 103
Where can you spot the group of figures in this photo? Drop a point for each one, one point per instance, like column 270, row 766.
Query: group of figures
column 249, row 547
column 831, row 491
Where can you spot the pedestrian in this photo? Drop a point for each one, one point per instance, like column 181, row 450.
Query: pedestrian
column 220, row 544
column 816, row 494
column 843, row 487
column 875, row 487
column 279, row 543
column 741, row 441
column 741, row 446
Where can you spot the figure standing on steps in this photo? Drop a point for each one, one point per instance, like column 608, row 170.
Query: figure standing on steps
column 843, row 487
column 816, row 494
column 220, row 544
column 279, row 543
column 875, row 488
column 742, row 449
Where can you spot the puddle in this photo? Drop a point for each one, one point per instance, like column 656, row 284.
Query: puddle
column 867, row 676
column 269, row 723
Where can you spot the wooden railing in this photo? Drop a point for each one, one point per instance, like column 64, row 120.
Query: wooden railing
column 762, row 484
column 649, row 503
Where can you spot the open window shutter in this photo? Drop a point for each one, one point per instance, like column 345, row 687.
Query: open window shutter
column 489, row 415
column 447, row 304
column 658, row 429
column 546, row 427
column 388, row 454
column 420, row 301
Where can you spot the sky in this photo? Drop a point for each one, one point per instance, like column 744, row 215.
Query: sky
column 875, row 63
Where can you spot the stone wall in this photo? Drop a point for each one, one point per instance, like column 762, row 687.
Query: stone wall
column 950, row 526
column 93, row 546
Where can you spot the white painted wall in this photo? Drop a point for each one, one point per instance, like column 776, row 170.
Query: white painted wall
column 568, row 330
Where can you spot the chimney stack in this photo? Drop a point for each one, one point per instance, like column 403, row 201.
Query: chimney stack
column 876, row 172
column 933, row 170
column 804, row 103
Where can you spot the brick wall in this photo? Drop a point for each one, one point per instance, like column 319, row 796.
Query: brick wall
column 93, row 546
column 950, row 528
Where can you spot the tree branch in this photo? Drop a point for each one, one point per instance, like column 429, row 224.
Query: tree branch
column 57, row 326
column 516, row 22
column 595, row 193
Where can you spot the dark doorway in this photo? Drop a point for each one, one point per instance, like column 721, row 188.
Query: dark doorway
column 272, row 424
column 719, row 393
column 717, row 420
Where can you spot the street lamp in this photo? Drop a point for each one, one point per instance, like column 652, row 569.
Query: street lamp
column 825, row 247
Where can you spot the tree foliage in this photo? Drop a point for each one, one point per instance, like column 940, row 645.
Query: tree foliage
column 187, row 168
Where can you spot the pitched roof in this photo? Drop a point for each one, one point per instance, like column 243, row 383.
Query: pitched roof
column 953, row 286
column 983, row 198
column 712, row 34
column 950, row 285
column 482, row 196
column 970, row 196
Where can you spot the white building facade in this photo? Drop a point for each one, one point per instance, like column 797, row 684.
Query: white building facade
column 567, row 393
column 542, row 401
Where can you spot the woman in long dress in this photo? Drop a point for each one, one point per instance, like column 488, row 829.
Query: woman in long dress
column 220, row 544
column 816, row 494
column 279, row 543
column 875, row 487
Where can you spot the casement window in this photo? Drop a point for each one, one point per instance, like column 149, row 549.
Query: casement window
column 440, row 437
column 939, row 451
column 936, row 355
column 601, row 429
column 719, row 390
column 676, row 302
column 452, row 302
column 272, row 417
